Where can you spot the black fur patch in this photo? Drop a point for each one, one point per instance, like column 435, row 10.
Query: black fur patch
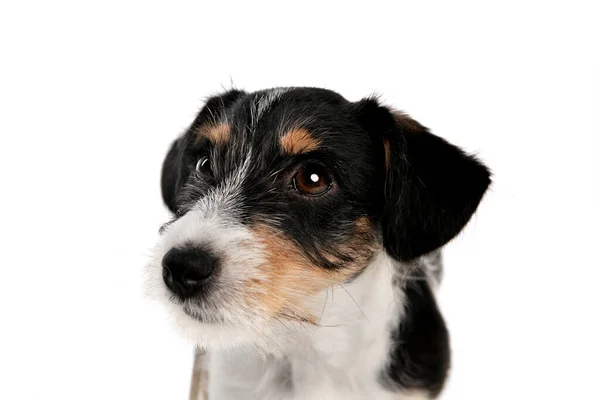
column 420, row 357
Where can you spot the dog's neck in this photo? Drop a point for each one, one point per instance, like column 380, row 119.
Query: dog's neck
column 343, row 357
column 356, row 317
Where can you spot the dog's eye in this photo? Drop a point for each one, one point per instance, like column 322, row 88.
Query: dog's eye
column 203, row 165
column 312, row 180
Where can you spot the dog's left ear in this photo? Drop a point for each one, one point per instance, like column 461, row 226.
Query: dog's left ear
column 431, row 187
column 171, row 180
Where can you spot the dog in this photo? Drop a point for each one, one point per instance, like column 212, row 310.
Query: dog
column 305, row 248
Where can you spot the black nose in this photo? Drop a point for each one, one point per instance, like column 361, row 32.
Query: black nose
column 186, row 269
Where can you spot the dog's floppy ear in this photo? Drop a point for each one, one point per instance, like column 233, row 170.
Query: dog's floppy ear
column 431, row 187
column 170, row 181
column 175, row 171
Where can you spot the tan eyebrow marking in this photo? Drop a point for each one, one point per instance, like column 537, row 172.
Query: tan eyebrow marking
column 298, row 141
column 217, row 134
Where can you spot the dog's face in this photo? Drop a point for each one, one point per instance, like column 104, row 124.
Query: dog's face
column 279, row 194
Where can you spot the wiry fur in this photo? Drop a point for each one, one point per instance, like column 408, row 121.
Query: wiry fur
column 338, row 359
column 315, row 297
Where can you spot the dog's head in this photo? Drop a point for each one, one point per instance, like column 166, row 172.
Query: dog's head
column 279, row 194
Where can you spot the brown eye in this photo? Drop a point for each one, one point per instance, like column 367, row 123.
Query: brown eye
column 312, row 180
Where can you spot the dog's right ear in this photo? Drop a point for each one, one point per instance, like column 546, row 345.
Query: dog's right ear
column 175, row 171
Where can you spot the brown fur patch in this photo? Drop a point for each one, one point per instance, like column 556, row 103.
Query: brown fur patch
column 386, row 150
column 217, row 134
column 360, row 246
column 406, row 126
column 288, row 277
column 298, row 141
column 199, row 384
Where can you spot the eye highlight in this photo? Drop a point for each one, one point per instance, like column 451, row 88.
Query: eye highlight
column 312, row 180
column 203, row 165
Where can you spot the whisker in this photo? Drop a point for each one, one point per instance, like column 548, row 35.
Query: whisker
column 355, row 302
column 325, row 302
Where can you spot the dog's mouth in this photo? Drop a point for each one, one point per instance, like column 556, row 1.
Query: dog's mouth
column 204, row 317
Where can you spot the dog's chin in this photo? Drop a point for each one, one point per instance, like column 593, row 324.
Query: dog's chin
column 215, row 333
column 203, row 318
column 207, row 332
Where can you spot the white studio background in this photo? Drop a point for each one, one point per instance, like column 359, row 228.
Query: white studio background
column 92, row 93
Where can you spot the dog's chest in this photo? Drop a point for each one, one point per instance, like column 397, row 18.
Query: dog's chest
column 246, row 376
column 340, row 360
